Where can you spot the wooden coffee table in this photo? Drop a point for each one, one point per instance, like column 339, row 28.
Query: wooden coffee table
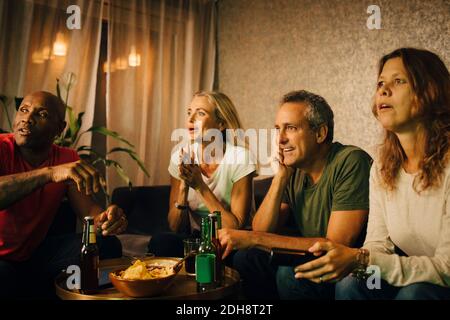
column 183, row 287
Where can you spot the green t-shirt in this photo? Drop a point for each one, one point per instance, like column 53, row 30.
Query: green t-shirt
column 344, row 185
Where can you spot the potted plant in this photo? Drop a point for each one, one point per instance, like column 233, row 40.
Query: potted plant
column 72, row 133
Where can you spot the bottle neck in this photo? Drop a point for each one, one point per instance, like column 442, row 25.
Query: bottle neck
column 213, row 231
column 206, row 237
column 219, row 219
column 89, row 233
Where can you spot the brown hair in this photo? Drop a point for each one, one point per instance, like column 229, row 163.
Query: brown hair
column 431, row 86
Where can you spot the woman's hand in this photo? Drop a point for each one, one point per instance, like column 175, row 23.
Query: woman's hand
column 337, row 263
column 190, row 172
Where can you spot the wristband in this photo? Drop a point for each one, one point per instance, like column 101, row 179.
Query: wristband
column 181, row 207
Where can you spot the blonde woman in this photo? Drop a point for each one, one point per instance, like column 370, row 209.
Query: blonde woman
column 408, row 236
column 217, row 175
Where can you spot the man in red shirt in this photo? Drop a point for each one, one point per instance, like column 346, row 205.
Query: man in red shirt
column 35, row 175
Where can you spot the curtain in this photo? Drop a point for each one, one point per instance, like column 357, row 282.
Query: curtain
column 159, row 54
column 36, row 47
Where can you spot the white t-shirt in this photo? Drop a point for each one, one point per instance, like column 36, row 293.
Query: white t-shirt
column 418, row 224
column 237, row 162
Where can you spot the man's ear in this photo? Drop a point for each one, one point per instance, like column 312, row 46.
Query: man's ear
column 321, row 133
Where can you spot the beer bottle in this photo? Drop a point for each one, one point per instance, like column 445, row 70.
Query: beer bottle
column 219, row 219
column 215, row 240
column 89, row 258
column 205, row 260
column 219, row 226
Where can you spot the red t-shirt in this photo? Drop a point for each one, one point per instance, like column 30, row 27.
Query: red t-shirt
column 24, row 225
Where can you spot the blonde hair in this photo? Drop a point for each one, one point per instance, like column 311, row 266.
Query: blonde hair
column 225, row 111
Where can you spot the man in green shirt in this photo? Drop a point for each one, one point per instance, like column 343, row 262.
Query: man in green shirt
column 323, row 185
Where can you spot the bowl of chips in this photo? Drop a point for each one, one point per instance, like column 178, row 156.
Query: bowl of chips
column 146, row 278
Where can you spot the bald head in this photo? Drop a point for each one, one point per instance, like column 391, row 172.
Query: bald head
column 39, row 120
column 50, row 101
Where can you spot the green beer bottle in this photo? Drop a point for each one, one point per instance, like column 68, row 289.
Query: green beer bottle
column 205, row 260
column 214, row 218
column 219, row 226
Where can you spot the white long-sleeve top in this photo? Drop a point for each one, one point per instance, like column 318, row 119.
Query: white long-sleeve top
column 418, row 224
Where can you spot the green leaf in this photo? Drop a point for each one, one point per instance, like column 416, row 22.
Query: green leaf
column 117, row 167
column 107, row 132
column 84, row 156
column 84, row 148
column 140, row 163
column 133, row 155
column 119, row 170
column 63, row 142
column 90, row 151
column 78, row 124
column 74, row 125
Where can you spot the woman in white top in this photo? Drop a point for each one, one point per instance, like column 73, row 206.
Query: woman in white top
column 406, row 254
column 207, row 174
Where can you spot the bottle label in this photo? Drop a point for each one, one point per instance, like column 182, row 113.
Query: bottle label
column 205, row 267
column 92, row 238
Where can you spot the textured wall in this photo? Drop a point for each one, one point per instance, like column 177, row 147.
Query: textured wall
column 269, row 47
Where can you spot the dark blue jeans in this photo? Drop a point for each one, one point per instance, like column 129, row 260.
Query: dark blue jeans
column 290, row 288
column 261, row 280
column 34, row 278
column 351, row 288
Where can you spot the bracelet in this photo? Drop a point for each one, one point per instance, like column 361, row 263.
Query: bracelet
column 363, row 257
column 181, row 207
column 362, row 262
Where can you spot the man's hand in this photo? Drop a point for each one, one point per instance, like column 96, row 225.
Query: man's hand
column 337, row 263
column 284, row 170
column 232, row 239
column 84, row 175
column 111, row 221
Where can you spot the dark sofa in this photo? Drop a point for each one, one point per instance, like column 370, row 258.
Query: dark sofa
column 147, row 207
